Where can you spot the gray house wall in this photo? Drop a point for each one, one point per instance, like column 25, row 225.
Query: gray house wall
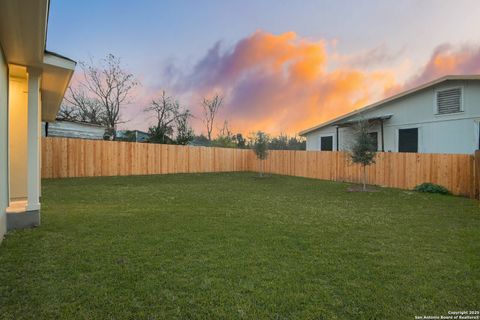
column 449, row 133
column 3, row 144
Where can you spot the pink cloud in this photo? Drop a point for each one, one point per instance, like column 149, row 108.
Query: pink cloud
column 284, row 83
column 280, row 83
column 447, row 59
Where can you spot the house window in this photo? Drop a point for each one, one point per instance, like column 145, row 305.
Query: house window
column 374, row 137
column 408, row 140
column 326, row 143
column 449, row 100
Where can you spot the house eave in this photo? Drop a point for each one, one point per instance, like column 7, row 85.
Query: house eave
column 23, row 30
column 23, row 26
column 352, row 122
column 56, row 76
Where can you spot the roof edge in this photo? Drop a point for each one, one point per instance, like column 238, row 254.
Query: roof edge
column 59, row 61
column 78, row 122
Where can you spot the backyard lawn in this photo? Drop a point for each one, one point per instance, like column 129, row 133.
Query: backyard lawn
column 234, row 246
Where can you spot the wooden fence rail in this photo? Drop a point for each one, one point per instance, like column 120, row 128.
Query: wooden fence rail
column 64, row 158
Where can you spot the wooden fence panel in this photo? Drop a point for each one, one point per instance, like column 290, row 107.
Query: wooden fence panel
column 399, row 170
column 476, row 168
column 66, row 157
column 63, row 158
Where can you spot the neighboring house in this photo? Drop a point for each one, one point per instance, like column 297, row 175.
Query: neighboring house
column 32, row 84
column 200, row 141
column 441, row 116
column 73, row 129
column 132, row 135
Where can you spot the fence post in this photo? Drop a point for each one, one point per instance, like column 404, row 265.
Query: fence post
column 476, row 175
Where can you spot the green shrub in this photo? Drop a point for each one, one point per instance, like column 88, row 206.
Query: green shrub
column 431, row 188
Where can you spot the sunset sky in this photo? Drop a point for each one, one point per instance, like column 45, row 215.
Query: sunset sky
column 282, row 66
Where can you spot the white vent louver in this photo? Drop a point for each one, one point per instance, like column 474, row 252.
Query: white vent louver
column 449, row 100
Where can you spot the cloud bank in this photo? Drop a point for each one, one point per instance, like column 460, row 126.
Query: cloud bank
column 284, row 83
column 280, row 83
column 447, row 59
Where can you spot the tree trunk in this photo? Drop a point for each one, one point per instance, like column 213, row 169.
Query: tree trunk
column 260, row 164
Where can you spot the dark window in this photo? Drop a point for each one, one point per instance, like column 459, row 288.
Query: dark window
column 374, row 137
column 326, row 143
column 408, row 140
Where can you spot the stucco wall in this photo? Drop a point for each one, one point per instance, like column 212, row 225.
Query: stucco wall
column 453, row 133
column 3, row 143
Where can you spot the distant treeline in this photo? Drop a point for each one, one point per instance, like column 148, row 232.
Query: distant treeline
column 280, row 142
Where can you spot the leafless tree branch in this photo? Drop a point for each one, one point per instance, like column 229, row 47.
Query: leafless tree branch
column 210, row 110
column 110, row 86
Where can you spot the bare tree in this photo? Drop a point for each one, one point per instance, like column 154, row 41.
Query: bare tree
column 67, row 113
column 110, row 85
column 86, row 109
column 210, row 110
column 225, row 131
column 167, row 112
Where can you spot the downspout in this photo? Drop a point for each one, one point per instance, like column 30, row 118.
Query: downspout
column 337, row 137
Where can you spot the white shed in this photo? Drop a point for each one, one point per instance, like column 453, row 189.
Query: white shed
column 73, row 129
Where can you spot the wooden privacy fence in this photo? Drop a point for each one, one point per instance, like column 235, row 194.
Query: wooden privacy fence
column 64, row 158
column 68, row 158
column 399, row 170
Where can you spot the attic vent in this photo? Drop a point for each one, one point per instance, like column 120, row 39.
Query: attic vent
column 449, row 100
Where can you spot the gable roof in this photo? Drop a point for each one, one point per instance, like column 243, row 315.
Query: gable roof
column 380, row 103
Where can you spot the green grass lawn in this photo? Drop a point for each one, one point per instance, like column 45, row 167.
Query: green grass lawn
column 233, row 246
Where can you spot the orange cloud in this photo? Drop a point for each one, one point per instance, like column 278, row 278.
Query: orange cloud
column 283, row 83
column 280, row 83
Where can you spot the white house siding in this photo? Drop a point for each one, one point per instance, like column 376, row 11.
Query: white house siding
column 452, row 133
column 3, row 144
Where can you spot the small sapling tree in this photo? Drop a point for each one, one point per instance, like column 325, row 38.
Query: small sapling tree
column 260, row 147
column 363, row 149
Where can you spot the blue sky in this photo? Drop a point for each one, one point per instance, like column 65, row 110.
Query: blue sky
column 152, row 35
